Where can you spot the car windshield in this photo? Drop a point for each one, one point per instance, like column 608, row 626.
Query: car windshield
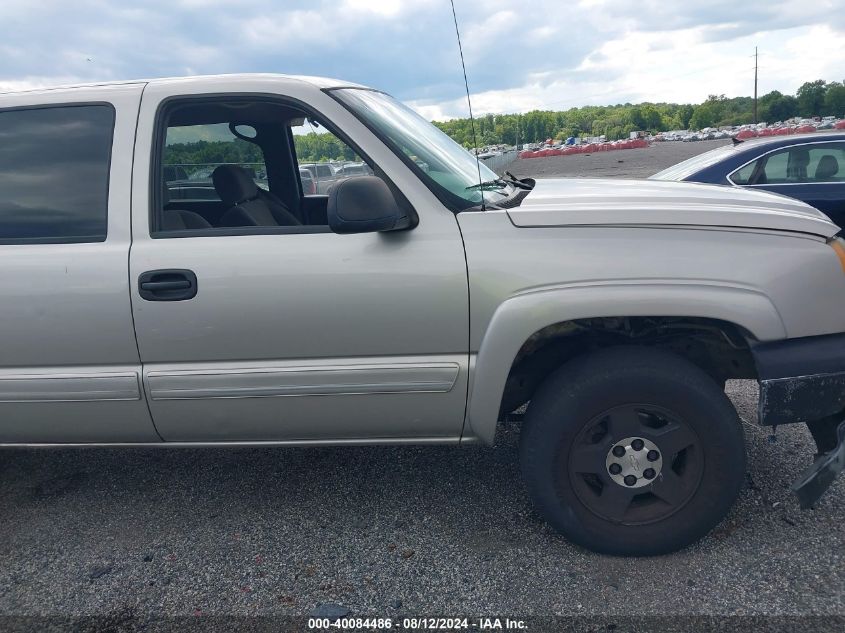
column 695, row 164
column 451, row 171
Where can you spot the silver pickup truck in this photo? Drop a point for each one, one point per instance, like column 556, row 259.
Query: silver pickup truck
column 408, row 306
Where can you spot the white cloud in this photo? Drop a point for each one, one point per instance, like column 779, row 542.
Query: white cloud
column 34, row 83
column 287, row 30
column 382, row 7
column 543, row 54
column 672, row 66
column 493, row 29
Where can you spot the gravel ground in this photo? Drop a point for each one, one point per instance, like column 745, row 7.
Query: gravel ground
column 384, row 531
column 392, row 531
column 624, row 163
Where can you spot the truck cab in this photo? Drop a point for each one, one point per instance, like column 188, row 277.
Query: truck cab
column 140, row 309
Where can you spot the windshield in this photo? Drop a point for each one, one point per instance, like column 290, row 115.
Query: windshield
column 446, row 167
column 695, row 164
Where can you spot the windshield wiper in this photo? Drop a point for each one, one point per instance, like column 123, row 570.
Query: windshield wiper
column 520, row 184
column 503, row 182
column 489, row 183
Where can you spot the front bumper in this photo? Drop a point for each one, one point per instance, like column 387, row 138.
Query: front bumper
column 803, row 380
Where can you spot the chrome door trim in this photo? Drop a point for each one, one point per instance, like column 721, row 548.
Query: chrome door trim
column 376, row 441
column 70, row 387
column 792, row 184
column 281, row 381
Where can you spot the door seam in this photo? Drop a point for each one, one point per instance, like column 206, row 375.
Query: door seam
column 143, row 381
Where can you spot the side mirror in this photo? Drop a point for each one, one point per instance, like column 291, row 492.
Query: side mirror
column 364, row 204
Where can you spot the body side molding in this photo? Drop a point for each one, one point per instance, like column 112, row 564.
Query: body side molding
column 69, row 387
column 293, row 380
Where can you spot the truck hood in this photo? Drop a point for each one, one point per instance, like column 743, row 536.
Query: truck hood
column 591, row 202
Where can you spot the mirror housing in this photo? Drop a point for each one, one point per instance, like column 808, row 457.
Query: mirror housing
column 364, row 204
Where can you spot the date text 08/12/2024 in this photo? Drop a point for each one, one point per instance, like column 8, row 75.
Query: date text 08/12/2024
column 415, row 624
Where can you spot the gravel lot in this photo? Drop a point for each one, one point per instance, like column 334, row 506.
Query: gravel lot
column 384, row 531
column 391, row 531
column 623, row 163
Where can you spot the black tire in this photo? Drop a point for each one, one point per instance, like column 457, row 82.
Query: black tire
column 578, row 417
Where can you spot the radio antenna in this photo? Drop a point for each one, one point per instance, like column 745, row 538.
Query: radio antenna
column 469, row 105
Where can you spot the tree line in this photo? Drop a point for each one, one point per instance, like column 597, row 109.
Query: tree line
column 814, row 98
column 310, row 148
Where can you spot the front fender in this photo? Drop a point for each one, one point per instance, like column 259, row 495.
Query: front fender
column 523, row 314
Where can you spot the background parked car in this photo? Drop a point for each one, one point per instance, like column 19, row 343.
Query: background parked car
column 354, row 169
column 807, row 167
column 174, row 172
column 309, row 187
column 324, row 175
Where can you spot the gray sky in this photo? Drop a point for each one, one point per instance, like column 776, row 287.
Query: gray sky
column 520, row 55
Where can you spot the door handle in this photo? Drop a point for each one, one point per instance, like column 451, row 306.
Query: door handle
column 167, row 285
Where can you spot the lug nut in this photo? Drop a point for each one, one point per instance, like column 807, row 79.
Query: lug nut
column 637, row 445
column 615, row 469
column 619, row 451
column 630, row 480
column 653, row 456
column 649, row 473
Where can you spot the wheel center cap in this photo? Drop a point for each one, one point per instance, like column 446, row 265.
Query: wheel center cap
column 634, row 462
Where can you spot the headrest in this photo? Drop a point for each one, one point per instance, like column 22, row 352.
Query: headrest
column 233, row 184
column 800, row 157
column 165, row 194
column 827, row 168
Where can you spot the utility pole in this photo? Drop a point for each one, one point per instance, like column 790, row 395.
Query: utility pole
column 755, row 85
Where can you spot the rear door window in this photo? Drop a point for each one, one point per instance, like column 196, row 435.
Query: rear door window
column 777, row 167
column 54, row 173
column 827, row 163
column 805, row 163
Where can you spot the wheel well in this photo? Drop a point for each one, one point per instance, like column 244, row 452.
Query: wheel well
column 718, row 347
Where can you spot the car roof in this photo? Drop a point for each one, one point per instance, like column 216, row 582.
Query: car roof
column 773, row 142
column 211, row 81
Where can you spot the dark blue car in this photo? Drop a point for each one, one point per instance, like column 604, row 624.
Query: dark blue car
column 810, row 167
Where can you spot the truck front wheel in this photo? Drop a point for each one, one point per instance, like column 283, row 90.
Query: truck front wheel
column 632, row 451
